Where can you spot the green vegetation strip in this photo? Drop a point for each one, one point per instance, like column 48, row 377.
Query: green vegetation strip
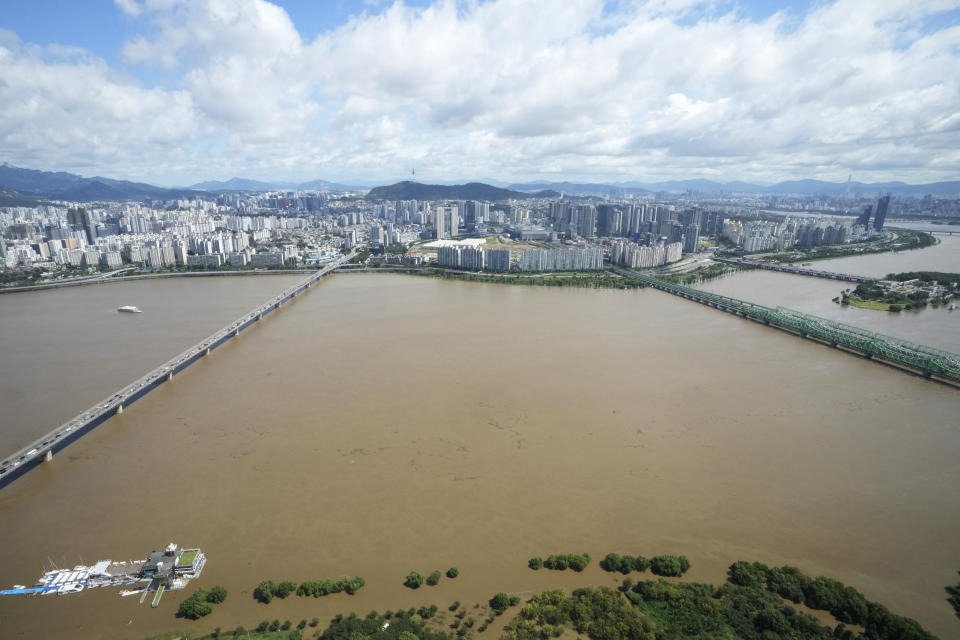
column 267, row 590
column 561, row 562
column 905, row 241
column 754, row 604
column 701, row 274
column 585, row 279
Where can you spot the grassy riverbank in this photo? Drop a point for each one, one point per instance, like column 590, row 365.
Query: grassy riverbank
column 700, row 274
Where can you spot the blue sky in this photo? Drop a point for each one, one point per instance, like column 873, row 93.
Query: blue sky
column 178, row 91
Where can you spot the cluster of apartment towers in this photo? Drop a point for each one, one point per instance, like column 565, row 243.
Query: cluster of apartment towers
column 653, row 236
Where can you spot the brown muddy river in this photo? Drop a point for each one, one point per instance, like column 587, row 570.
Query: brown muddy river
column 385, row 423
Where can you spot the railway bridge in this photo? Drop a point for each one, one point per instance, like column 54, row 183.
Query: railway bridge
column 936, row 364
column 43, row 448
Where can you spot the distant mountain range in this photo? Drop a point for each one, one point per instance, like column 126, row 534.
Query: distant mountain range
column 471, row 191
column 243, row 184
column 709, row 187
column 31, row 185
column 23, row 187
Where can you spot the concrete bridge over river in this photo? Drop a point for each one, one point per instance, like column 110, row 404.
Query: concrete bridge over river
column 43, row 448
column 800, row 271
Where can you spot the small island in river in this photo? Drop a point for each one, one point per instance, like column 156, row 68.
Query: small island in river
column 906, row 291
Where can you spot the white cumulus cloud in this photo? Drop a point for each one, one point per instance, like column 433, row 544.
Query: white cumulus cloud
column 513, row 89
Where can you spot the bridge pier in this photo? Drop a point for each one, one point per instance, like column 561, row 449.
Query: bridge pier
column 236, row 332
column 170, row 376
column 260, row 316
column 49, row 456
column 119, row 409
column 207, row 351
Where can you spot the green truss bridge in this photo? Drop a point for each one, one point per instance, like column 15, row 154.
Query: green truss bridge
column 916, row 358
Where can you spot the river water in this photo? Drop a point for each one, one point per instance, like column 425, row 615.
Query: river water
column 384, row 423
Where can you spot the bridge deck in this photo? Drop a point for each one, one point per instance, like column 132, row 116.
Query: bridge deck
column 800, row 271
column 26, row 458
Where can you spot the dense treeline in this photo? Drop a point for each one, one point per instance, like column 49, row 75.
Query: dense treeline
column 844, row 603
column 668, row 565
column 940, row 277
column 589, row 280
column 700, row 274
column 561, row 562
column 663, row 610
column 404, row 625
column 665, row 565
column 624, row 564
column 267, row 590
column 601, row 614
column 695, row 610
column 317, row 588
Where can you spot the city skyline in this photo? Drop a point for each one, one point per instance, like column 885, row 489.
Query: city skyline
column 172, row 93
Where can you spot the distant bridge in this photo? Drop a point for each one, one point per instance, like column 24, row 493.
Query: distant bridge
column 43, row 448
column 70, row 282
column 926, row 361
column 800, row 271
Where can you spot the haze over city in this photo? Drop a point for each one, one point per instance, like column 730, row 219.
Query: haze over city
column 174, row 92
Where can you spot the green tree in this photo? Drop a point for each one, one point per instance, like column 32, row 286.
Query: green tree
column 195, row 607
column 535, row 563
column 265, row 591
column 500, row 602
column 453, row 572
column 414, row 580
column 433, row 578
column 668, row 565
column 217, row 594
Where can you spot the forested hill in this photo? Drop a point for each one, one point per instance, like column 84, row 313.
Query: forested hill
column 471, row 191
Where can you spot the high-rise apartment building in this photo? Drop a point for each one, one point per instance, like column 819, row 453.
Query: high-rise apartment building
column 497, row 260
column 878, row 220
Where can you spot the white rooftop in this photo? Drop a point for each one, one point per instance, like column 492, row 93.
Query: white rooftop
column 466, row 242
